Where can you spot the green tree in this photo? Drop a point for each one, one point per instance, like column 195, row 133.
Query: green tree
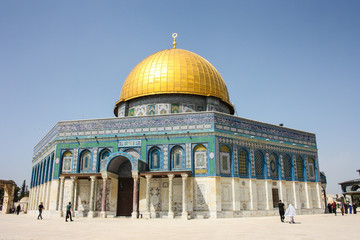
column 23, row 190
column 16, row 193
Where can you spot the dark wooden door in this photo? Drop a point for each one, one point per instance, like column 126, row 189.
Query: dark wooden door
column 275, row 195
column 125, row 197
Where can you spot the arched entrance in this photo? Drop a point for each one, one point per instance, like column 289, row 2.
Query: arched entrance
column 121, row 166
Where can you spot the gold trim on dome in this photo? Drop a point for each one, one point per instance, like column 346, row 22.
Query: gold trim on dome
column 174, row 71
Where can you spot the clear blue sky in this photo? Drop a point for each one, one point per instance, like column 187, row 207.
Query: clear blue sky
column 291, row 62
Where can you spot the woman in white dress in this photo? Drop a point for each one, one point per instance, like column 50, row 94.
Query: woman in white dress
column 290, row 212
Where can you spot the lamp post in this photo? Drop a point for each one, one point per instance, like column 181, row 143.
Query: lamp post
column 323, row 186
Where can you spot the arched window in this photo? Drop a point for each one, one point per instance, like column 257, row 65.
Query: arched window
column 287, row 167
column 85, row 161
column 259, row 164
column 200, row 157
column 243, row 163
column 177, row 157
column 104, row 154
column 66, row 161
column 274, row 166
column 154, row 158
column 311, row 168
column 300, row 168
column 225, row 159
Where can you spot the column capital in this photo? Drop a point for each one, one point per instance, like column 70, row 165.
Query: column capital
column 184, row 175
column 148, row 176
column 62, row 178
column 171, row 176
column 73, row 178
column 135, row 177
column 93, row 178
column 105, row 179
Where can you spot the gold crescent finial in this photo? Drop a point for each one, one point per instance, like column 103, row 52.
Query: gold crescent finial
column 174, row 35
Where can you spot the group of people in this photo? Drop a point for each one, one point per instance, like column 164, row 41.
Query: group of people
column 68, row 212
column 290, row 212
column 344, row 208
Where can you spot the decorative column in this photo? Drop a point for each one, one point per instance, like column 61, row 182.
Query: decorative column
column 103, row 199
column 251, row 190
column 72, row 195
column 134, row 214
column 184, row 205
column 147, row 213
column 307, row 196
column 92, row 192
column 295, row 196
column 281, row 182
column 171, row 213
column 267, row 206
column 318, row 190
column 61, row 197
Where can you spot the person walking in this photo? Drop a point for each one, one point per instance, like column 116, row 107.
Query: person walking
column 281, row 211
column 334, row 207
column 342, row 209
column 68, row 212
column 350, row 208
column 18, row 209
column 329, row 207
column 354, row 208
column 290, row 212
column 346, row 206
column 41, row 207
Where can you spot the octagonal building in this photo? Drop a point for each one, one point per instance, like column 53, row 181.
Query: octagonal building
column 174, row 150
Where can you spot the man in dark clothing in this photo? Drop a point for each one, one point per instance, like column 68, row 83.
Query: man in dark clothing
column 281, row 210
column 18, row 209
column 354, row 208
column 68, row 212
column 41, row 207
column 346, row 206
column 334, row 207
column 330, row 207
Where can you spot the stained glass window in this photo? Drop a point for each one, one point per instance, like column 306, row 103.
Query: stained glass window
column 259, row 164
column 225, row 159
column 300, row 168
column 67, row 158
column 243, row 162
column 200, row 156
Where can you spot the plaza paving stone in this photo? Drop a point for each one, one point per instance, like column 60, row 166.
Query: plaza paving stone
column 324, row 226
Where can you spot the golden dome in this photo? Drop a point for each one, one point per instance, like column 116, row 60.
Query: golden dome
column 174, row 71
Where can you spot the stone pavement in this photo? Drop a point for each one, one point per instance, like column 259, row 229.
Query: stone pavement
column 307, row 227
